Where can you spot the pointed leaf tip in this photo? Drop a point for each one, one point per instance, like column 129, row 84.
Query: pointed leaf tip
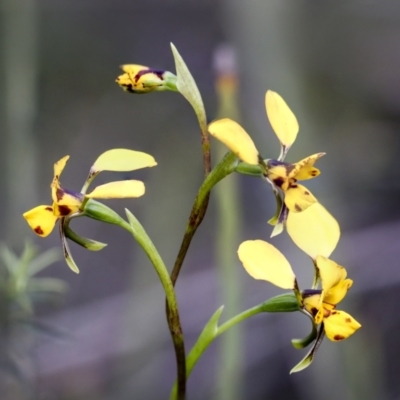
column 187, row 86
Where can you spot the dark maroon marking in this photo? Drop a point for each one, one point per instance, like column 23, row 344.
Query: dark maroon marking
column 339, row 337
column 310, row 292
column 314, row 311
column 39, row 230
column 64, row 210
column 279, row 181
column 59, row 194
column 92, row 173
column 313, row 173
column 275, row 163
column 334, row 312
column 159, row 73
column 306, row 192
column 294, row 186
column 77, row 195
column 130, row 88
column 348, row 320
column 297, row 207
column 49, row 209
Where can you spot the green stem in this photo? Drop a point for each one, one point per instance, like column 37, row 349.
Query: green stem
column 201, row 345
column 223, row 169
column 281, row 303
column 174, row 324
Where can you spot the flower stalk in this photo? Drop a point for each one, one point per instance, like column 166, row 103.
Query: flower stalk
column 140, row 235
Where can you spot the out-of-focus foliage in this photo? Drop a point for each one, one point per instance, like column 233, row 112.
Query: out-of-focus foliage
column 21, row 291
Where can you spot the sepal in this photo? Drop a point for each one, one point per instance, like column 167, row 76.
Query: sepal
column 88, row 244
column 96, row 210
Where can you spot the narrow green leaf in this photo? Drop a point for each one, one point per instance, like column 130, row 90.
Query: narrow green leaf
column 8, row 257
column 208, row 334
column 44, row 260
column 188, row 88
column 88, row 244
column 275, row 219
column 304, row 342
column 308, row 359
column 67, row 254
column 47, row 285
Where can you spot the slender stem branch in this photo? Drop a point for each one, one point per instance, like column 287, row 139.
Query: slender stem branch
column 239, row 318
column 173, row 318
column 224, row 168
column 205, row 145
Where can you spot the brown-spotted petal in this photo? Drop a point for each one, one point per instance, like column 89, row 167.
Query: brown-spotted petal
column 305, row 169
column 298, row 198
column 41, row 219
column 340, row 325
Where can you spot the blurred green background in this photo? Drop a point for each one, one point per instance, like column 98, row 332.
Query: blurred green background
column 335, row 63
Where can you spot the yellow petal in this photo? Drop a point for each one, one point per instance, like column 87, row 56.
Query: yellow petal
column 338, row 292
column 59, row 166
column 67, row 206
column 263, row 261
column 314, row 230
column 235, row 138
column 330, row 272
column 312, row 303
column 298, row 198
column 58, row 169
column 41, row 220
column 281, row 118
column 340, row 325
column 133, row 69
column 118, row 190
column 304, row 169
column 122, row 160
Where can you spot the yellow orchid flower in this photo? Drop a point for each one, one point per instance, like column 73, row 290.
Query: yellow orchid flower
column 338, row 325
column 141, row 79
column 68, row 204
column 281, row 175
column 263, row 261
column 285, row 176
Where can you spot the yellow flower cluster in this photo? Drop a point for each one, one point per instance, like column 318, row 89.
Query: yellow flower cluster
column 309, row 224
column 68, row 204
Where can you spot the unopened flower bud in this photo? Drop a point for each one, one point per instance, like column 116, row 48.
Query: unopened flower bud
column 141, row 79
